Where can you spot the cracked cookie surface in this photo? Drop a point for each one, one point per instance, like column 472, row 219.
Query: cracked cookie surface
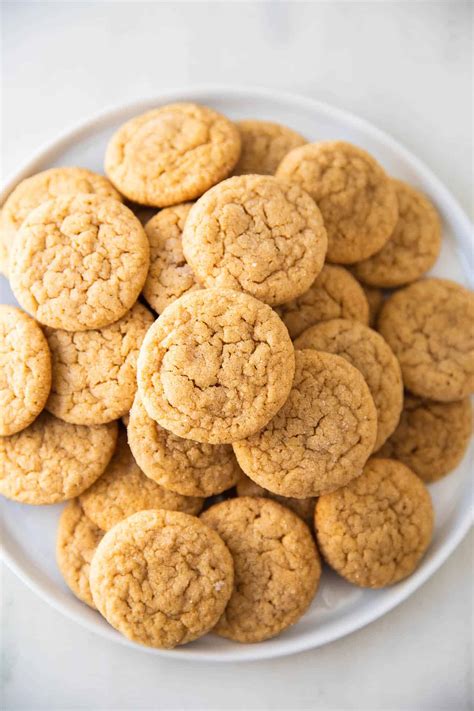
column 264, row 144
column 94, row 372
column 277, row 567
column 322, row 436
column 25, row 370
column 51, row 460
column 355, row 196
column 256, row 234
column 367, row 351
column 162, row 578
column 172, row 154
column 216, row 366
column 375, row 530
column 79, row 262
column 428, row 325
column 304, row 508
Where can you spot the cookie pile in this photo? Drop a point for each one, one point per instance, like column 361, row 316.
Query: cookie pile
column 209, row 452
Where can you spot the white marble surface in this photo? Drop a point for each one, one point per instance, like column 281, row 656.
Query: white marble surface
column 407, row 67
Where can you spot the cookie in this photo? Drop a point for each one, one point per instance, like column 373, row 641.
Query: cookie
column 51, row 460
column 256, row 234
column 94, row 372
column 172, row 154
column 413, row 247
column 432, row 437
column 367, row 351
column 277, row 567
column 162, row 578
column 216, row 366
column 428, row 325
column 375, row 530
column 304, row 508
column 79, row 262
column 375, row 299
column 76, row 541
column 25, row 370
column 123, row 489
column 181, row 465
column 333, row 294
column 356, row 197
column 322, row 436
column 170, row 276
column 264, row 144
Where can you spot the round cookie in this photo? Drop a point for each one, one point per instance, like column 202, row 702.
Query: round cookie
column 375, row 299
column 264, row 144
column 51, row 460
column 432, row 437
column 375, row 530
column 356, row 198
column 367, row 351
column 276, row 564
column 25, row 370
column 182, row 465
column 76, row 541
column 413, row 247
column 123, row 489
column 322, row 436
column 94, row 372
column 79, row 262
column 304, row 508
column 333, row 294
column 172, row 154
column 216, row 366
column 256, row 234
column 170, row 276
column 428, row 325
column 162, row 578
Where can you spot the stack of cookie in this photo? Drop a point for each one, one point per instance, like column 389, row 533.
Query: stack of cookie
column 259, row 394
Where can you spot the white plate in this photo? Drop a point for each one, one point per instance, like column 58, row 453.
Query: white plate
column 28, row 533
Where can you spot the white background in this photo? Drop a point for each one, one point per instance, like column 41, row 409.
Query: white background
column 405, row 66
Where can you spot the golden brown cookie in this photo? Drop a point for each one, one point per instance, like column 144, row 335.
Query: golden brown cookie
column 375, row 530
column 304, row 508
column 79, row 262
column 375, row 299
column 322, row 436
column 256, row 234
column 76, row 541
column 333, row 294
column 161, row 578
column 356, row 197
column 216, row 366
column 367, row 351
column 428, row 325
column 172, row 154
column 264, row 144
column 431, row 437
column 52, row 461
column 170, row 276
column 277, row 567
column 181, row 465
column 94, row 372
column 123, row 489
column 413, row 247
column 25, row 370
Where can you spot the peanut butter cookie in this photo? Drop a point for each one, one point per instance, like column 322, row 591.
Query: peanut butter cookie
column 367, row 351
column 94, row 372
column 375, row 299
column 256, row 234
column 431, row 437
column 52, row 461
column 172, row 154
column 356, row 197
column 264, row 144
column 428, row 325
column 375, row 530
column 322, row 436
column 79, row 262
column 216, row 366
column 25, row 370
column 304, row 508
column 162, row 578
column 277, row 567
